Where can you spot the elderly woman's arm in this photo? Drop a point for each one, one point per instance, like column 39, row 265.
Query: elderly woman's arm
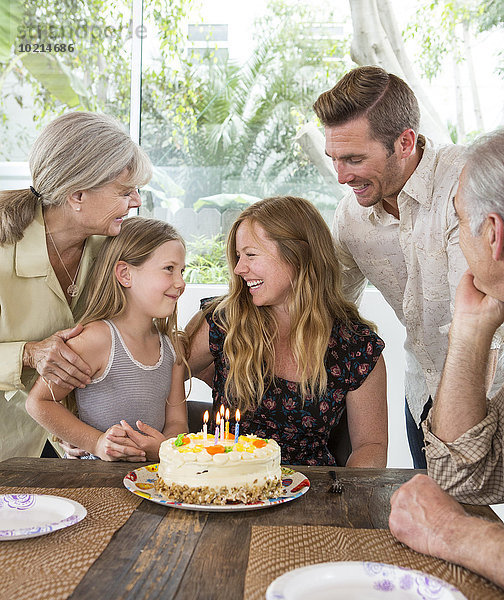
column 367, row 420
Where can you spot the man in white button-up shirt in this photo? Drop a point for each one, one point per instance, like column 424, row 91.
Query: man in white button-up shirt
column 397, row 227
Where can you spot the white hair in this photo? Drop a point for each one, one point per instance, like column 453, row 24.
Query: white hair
column 77, row 151
column 483, row 183
column 84, row 151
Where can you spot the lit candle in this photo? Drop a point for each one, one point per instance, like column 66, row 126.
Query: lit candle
column 227, row 424
column 217, row 421
column 237, row 426
column 205, row 430
column 221, row 416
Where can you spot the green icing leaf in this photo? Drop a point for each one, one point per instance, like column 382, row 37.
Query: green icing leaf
column 178, row 441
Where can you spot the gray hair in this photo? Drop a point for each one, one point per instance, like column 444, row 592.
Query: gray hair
column 483, row 183
column 77, row 151
column 84, row 151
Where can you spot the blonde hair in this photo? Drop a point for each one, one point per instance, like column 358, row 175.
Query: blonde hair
column 305, row 243
column 104, row 296
column 77, row 151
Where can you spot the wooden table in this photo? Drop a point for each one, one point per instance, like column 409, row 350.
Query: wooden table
column 163, row 552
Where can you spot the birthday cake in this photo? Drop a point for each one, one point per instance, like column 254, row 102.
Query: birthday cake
column 196, row 471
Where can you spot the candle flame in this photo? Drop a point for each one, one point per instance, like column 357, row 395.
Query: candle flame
column 205, row 417
column 237, row 415
column 217, row 420
column 227, row 414
column 222, row 409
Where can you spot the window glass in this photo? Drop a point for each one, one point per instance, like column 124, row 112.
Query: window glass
column 56, row 57
column 224, row 100
column 228, row 88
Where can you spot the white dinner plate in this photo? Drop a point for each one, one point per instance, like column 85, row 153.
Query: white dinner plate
column 358, row 581
column 142, row 482
column 30, row 515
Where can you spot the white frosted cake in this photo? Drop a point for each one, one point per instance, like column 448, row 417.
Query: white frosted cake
column 198, row 472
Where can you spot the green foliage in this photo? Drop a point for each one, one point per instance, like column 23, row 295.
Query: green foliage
column 230, row 128
column 490, row 14
column 434, row 27
column 10, row 16
column 93, row 74
column 223, row 202
column 206, row 261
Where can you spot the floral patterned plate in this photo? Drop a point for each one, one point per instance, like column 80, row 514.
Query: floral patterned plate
column 142, row 481
column 30, row 515
column 357, row 580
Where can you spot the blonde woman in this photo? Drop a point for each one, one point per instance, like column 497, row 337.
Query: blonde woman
column 133, row 347
column 287, row 350
column 85, row 173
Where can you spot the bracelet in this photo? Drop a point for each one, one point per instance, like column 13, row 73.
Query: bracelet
column 178, row 403
column 49, row 386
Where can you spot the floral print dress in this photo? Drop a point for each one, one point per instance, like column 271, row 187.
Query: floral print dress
column 302, row 430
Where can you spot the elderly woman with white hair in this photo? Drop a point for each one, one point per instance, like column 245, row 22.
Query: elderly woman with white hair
column 85, row 171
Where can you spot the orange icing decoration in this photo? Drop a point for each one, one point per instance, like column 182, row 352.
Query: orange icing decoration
column 218, row 449
column 186, row 440
column 260, row 443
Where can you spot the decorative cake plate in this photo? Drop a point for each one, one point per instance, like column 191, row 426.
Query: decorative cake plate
column 356, row 580
column 30, row 515
column 142, row 482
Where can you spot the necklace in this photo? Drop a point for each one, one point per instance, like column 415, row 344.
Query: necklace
column 72, row 290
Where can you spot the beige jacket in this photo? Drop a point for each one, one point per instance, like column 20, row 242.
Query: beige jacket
column 32, row 307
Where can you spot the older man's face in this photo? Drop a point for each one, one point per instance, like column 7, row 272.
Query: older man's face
column 475, row 248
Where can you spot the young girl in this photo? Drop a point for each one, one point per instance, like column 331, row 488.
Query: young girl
column 132, row 344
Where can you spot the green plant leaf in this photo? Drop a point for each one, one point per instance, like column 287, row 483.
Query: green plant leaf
column 11, row 13
column 48, row 71
column 225, row 201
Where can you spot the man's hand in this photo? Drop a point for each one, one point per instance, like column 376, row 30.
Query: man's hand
column 474, row 308
column 115, row 444
column 425, row 517
column 56, row 362
column 147, row 438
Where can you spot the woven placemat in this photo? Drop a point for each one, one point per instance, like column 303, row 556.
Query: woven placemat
column 51, row 566
column 276, row 550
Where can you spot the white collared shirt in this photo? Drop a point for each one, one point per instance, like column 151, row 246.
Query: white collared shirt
column 415, row 262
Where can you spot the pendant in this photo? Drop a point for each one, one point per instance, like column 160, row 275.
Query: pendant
column 72, row 290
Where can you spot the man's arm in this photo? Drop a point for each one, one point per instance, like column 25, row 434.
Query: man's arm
column 462, row 390
column 430, row 521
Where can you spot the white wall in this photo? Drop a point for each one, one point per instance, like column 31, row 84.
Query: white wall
column 390, row 329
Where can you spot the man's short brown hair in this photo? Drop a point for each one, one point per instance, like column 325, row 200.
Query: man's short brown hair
column 387, row 102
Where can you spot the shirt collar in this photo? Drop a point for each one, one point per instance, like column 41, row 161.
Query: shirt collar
column 32, row 259
column 421, row 183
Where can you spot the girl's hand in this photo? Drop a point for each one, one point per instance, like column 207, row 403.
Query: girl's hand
column 147, row 438
column 115, row 444
column 72, row 451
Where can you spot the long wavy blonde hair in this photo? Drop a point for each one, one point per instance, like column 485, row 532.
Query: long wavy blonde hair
column 305, row 243
column 104, row 297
